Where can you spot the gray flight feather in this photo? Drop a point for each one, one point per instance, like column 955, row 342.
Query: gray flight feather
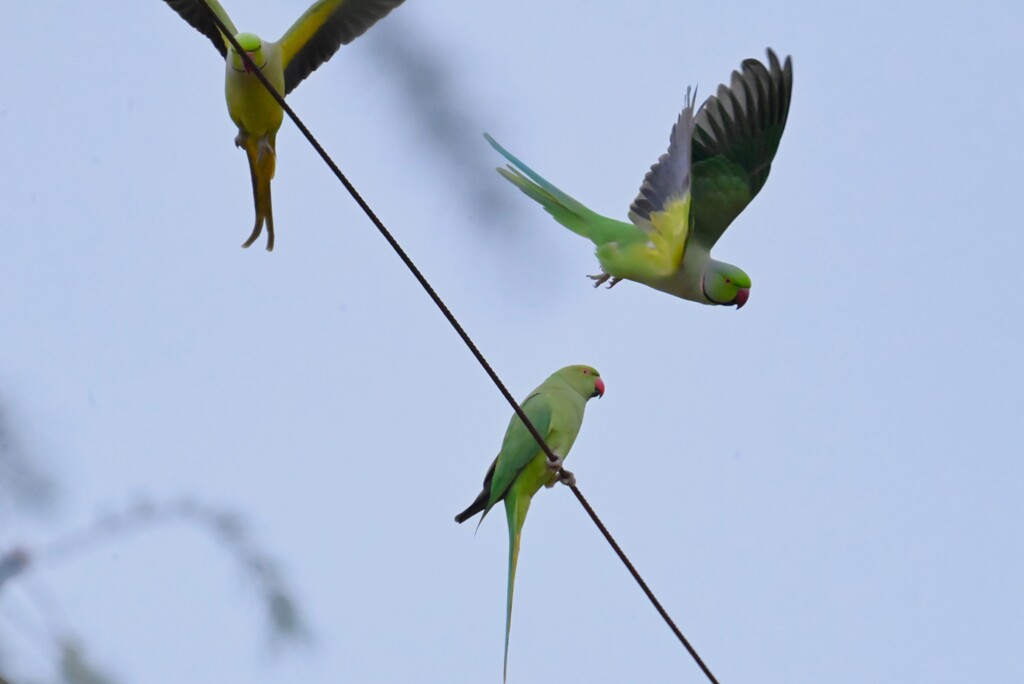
column 669, row 177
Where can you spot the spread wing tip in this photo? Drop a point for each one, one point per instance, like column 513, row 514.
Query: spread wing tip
column 669, row 177
column 197, row 14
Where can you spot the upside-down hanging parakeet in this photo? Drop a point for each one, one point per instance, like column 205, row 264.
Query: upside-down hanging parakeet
column 556, row 409
column 717, row 161
column 311, row 41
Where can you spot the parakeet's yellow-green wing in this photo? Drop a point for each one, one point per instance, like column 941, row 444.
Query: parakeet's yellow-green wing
column 519, row 447
column 326, row 26
column 198, row 17
column 661, row 210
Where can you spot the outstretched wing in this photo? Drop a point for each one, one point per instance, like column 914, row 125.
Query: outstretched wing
column 669, row 177
column 737, row 134
column 661, row 210
column 325, row 27
column 198, row 17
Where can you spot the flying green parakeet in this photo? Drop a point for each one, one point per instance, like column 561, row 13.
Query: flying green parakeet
column 717, row 161
column 311, row 41
column 556, row 409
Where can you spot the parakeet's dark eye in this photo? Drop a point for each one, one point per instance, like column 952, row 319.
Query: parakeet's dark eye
column 586, row 372
column 728, row 282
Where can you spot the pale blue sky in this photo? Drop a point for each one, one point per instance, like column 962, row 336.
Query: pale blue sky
column 822, row 487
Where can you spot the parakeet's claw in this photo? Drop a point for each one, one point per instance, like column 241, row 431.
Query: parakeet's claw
column 263, row 147
column 561, row 474
column 599, row 280
column 240, row 139
column 566, row 477
column 556, row 465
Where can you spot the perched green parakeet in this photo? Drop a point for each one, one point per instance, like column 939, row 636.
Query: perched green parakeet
column 717, row 161
column 556, row 409
column 311, row 41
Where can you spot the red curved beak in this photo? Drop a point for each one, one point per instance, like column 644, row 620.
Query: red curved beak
column 599, row 387
column 248, row 69
column 742, row 296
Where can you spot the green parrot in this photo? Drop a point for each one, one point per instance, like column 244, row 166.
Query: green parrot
column 717, row 161
column 556, row 409
column 310, row 42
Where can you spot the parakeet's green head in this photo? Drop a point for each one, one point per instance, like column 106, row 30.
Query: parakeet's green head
column 583, row 379
column 252, row 44
column 725, row 284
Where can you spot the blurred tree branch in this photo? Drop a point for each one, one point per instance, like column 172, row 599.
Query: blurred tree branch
column 448, row 120
column 227, row 529
column 22, row 485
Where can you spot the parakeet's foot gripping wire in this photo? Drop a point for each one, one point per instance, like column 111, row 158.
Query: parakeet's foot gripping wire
column 386, row 234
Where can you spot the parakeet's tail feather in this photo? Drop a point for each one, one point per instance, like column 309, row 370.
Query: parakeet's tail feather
column 568, row 216
column 566, row 210
column 479, row 504
column 262, row 164
column 515, row 508
column 483, row 500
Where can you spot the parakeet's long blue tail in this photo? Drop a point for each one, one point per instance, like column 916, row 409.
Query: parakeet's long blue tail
column 566, row 210
column 515, row 509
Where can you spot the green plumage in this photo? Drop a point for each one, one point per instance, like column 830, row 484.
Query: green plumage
column 566, row 210
column 308, row 43
column 734, row 142
column 521, row 468
column 718, row 159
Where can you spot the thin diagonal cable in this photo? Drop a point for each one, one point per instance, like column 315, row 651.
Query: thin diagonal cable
column 643, row 585
column 425, row 284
